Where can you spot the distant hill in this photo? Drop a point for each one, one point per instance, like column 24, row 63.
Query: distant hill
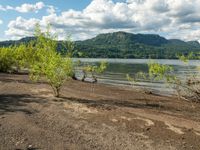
column 128, row 45
column 127, row 38
column 13, row 42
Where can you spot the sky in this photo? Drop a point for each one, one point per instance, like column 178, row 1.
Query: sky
column 83, row 19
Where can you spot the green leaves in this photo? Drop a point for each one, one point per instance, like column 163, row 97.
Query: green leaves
column 187, row 86
column 41, row 58
column 48, row 63
column 156, row 72
column 94, row 69
column 159, row 72
column 186, row 58
column 7, row 60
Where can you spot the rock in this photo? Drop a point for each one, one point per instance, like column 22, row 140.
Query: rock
column 30, row 146
column 147, row 129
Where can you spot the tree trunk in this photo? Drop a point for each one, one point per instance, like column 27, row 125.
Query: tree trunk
column 56, row 91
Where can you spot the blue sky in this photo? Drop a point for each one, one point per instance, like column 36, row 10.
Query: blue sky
column 61, row 5
column 83, row 19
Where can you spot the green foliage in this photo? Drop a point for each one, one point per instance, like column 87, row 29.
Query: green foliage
column 6, row 59
column 188, row 88
column 96, row 69
column 22, row 56
column 41, row 58
column 156, row 72
column 14, row 58
column 186, row 58
column 159, row 72
column 124, row 45
column 54, row 68
column 93, row 70
column 49, row 63
column 102, row 67
column 68, row 47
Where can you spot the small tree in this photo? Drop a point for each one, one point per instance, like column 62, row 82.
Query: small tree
column 55, row 69
column 155, row 72
column 188, row 88
column 93, row 70
column 48, row 63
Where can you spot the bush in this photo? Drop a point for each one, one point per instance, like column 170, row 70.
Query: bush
column 15, row 58
column 48, row 63
column 93, row 70
column 7, row 60
column 187, row 89
column 54, row 68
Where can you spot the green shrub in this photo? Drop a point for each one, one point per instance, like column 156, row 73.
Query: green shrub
column 7, row 60
column 188, row 88
column 94, row 70
column 48, row 63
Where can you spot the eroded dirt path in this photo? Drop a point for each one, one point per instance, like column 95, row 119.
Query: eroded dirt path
column 92, row 116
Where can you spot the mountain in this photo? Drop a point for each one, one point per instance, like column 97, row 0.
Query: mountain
column 193, row 43
column 13, row 42
column 128, row 38
column 127, row 45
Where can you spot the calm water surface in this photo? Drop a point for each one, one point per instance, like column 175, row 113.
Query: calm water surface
column 117, row 69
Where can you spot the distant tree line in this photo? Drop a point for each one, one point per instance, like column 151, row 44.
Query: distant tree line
column 125, row 45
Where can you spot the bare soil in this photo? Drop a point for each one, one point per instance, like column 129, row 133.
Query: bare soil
column 93, row 116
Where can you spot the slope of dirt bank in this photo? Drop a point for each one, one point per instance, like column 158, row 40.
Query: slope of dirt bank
column 93, row 116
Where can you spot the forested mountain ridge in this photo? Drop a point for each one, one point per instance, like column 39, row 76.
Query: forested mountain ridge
column 127, row 45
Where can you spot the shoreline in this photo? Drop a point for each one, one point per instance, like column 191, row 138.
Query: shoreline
column 93, row 116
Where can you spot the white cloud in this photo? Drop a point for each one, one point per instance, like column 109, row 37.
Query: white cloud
column 1, row 22
column 177, row 19
column 24, row 8
column 21, row 27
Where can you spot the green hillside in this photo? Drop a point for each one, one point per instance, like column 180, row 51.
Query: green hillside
column 127, row 45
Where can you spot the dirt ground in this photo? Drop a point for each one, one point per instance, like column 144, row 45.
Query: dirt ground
column 93, row 116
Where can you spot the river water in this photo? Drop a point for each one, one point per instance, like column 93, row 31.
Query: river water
column 117, row 70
